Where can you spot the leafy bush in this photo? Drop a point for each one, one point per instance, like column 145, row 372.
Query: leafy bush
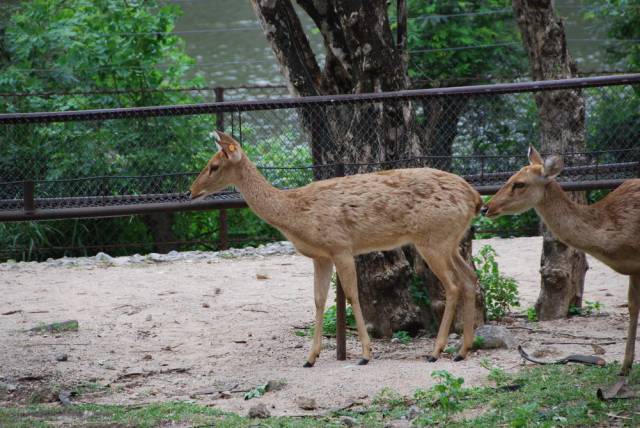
column 500, row 292
column 447, row 394
column 418, row 292
column 587, row 309
column 402, row 336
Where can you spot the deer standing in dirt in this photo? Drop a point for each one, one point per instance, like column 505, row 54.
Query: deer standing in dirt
column 333, row 220
column 609, row 230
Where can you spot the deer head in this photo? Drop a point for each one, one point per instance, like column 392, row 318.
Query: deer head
column 525, row 189
column 220, row 170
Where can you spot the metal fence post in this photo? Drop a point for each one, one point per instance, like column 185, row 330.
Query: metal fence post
column 28, row 201
column 223, row 228
column 341, row 306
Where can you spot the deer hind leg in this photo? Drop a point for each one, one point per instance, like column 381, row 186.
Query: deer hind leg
column 346, row 268
column 322, row 269
column 634, row 307
column 469, row 280
column 442, row 265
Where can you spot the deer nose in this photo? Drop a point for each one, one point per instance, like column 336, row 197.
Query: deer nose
column 484, row 210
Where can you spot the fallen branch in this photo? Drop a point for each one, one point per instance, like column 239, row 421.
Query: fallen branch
column 17, row 311
column 574, row 358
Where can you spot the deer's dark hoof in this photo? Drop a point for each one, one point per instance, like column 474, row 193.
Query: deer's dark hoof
column 458, row 357
column 431, row 359
column 363, row 362
column 307, row 365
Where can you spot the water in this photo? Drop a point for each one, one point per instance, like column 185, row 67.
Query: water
column 230, row 48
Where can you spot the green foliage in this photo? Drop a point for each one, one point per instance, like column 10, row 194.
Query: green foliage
column 429, row 31
column 402, row 336
column 330, row 321
column 388, row 397
column 620, row 19
column 446, row 395
column 500, row 292
column 258, row 391
column 525, row 224
column 587, row 309
column 478, row 341
column 418, row 292
column 532, row 315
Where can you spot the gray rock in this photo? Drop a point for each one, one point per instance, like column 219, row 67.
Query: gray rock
column 259, row 411
column 348, row 421
column 414, row 412
column 275, row 385
column 62, row 357
column 104, row 258
column 496, row 336
column 306, row 403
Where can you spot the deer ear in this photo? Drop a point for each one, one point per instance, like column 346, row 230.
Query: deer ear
column 534, row 156
column 229, row 146
column 552, row 166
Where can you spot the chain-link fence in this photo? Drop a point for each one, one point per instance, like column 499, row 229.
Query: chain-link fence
column 141, row 161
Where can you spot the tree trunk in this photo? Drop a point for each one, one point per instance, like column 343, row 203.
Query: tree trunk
column 161, row 227
column 360, row 57
column 562, row 128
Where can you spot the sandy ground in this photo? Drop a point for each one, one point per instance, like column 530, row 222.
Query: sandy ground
column 186, row 330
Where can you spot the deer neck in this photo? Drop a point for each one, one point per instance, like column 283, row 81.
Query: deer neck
column 574, row 224
column 265, row 200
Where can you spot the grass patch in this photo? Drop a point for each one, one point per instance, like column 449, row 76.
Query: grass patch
column 549, row 396
column 57, row 327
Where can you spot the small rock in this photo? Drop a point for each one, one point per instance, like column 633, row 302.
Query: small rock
column 62, row 357
column 306, row 403
column 9, row 387
column 148, row 318
column 495, row 336
column 104, row 258
column 348, row 421
column 205, row 305
column 395, row 340
column 597, row 349
column 259, row 411
column 147, row 357
column 225, row 395
column 65, row 397
column 275, row 385
column 261, row 276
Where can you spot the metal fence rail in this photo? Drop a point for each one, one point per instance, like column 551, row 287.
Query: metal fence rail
column 115, row 162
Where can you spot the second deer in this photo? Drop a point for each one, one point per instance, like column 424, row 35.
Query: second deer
column 333, row 220
column 609, row 230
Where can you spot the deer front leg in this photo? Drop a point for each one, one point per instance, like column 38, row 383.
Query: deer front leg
column 634, row 306
column 346, row 268
column 322, row 269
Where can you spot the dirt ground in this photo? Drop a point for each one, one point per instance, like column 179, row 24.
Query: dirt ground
column 190, row 329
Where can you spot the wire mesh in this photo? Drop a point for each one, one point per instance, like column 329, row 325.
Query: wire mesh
column 135, row 157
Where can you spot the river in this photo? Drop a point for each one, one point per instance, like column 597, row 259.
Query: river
column 230, row 49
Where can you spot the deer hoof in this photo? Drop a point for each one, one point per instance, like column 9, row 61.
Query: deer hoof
column 363, row 362
column 458, row 357
column 431, row 359
column 307, row 365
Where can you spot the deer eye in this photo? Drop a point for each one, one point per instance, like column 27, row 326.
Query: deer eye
column 213, row 168
column 518, row 185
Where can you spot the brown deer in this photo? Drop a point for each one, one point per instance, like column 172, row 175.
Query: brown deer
column 609, row 230
column 333, row 220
